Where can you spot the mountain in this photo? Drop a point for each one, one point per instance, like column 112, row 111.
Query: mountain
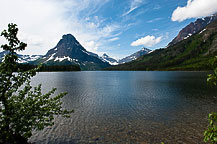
column 69, row 51
column 194, row 53
column 108, row 59
column 134, row 56
column 193, row 28
column 22, row 58
column 130, row 58
column 28, row 58
column 105, row 58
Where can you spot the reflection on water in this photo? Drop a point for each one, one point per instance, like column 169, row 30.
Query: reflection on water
column 129, row 107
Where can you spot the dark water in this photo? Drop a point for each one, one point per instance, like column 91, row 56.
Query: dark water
column 129, row 107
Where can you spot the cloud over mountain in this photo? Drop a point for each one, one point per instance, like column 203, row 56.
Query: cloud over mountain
column 195, row 9
column 42, row 22
column 147, row 41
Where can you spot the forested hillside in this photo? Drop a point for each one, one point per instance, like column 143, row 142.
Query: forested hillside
column 193, row 53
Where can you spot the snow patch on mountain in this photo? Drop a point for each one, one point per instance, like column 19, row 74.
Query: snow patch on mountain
column 202, row 31
column 51, row 57
column 134, row 56
column 109, row 59
column 189, row 35
column 28, row 58
column 62, row 58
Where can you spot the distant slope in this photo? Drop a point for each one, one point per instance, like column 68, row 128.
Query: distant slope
column 193, row 53
column 70, row 52
column 134, row 56
column 22, row 58
column 130, row 58
column 193, row 28
column 108, row 59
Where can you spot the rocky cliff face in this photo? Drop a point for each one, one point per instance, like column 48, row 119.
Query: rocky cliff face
column 193, row 28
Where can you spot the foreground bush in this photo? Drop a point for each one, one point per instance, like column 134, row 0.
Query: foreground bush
column 22, row 107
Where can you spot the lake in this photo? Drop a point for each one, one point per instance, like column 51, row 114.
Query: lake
column 129, row 107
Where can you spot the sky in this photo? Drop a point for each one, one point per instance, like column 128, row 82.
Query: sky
column 115, row 27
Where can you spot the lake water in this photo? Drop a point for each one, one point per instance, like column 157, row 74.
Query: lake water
column 129, row 107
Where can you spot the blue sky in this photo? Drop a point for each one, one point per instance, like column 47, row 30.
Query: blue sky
column 116, row 27
column 148, row 18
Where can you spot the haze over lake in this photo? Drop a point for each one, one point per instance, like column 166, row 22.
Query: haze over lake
column 131, row 107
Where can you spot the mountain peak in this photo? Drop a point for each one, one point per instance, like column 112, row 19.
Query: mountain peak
column 67, row 43
column 108, row 59
column 68, row 37
column 135, row 55
column 105, row 55
column 69, row 51
column 145, row 49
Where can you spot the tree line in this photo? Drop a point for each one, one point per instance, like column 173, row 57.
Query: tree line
column 48, row 68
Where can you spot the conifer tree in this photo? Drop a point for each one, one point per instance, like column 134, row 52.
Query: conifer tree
column 23, row 108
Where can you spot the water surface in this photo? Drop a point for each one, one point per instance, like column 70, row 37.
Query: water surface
column 129, row 107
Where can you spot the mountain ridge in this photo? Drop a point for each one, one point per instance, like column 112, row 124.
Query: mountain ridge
column 22, row 58
column 193, row 28
column 134, row 56
column 193, row 53
column 108, row 59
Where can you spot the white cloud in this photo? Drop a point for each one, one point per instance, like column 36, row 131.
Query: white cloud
column 155, row 29
column 39, row 22
column 167, row 35
column 147, row 41
column 33, row 40
column 154, row 20
column 113, row 39
column 91, row 46
column 133, row 5
column 195, row 9
column 157, row 7
column 42, row 23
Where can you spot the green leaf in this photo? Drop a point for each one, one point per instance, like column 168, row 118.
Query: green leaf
column 24, row 108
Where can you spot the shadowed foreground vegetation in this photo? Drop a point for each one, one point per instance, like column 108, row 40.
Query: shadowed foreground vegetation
column 23, row 108
column 49, row 68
